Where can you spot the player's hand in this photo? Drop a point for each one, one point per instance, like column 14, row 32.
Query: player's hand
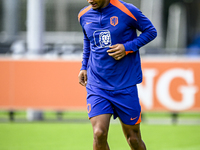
column 117, row 51
column 82, row 77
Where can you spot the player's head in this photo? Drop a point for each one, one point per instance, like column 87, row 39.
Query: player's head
column 97, row 4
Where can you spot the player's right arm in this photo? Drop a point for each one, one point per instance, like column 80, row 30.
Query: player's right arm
column 86, row 48
column 86, row 53
column 82, row 77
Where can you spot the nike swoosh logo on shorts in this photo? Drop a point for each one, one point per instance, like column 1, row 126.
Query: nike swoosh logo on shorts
column 133, row 118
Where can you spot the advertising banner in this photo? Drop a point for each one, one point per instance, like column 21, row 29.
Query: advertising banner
column 168, row 85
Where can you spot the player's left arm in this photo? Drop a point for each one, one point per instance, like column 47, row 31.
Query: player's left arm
column 145, row 26
column 117, row 51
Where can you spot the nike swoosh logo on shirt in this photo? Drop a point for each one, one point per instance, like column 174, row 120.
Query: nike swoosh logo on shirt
column 88, row 22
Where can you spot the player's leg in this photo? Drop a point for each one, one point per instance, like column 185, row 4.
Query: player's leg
column 127, row 106
column 100, row 111
column 133, row 136
column 100, row 126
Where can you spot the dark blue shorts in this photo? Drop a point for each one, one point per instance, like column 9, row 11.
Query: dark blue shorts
column 122, row 103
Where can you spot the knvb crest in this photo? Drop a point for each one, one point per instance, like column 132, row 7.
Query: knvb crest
column 88, row 108
column 114, row 20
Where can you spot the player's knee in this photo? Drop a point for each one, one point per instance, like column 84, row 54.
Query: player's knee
column 133, row 142
column 100, row 134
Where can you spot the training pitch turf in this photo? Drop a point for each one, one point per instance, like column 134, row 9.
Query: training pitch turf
column 71, row 136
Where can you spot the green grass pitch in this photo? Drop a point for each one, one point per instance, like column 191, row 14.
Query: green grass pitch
column 71, row 136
